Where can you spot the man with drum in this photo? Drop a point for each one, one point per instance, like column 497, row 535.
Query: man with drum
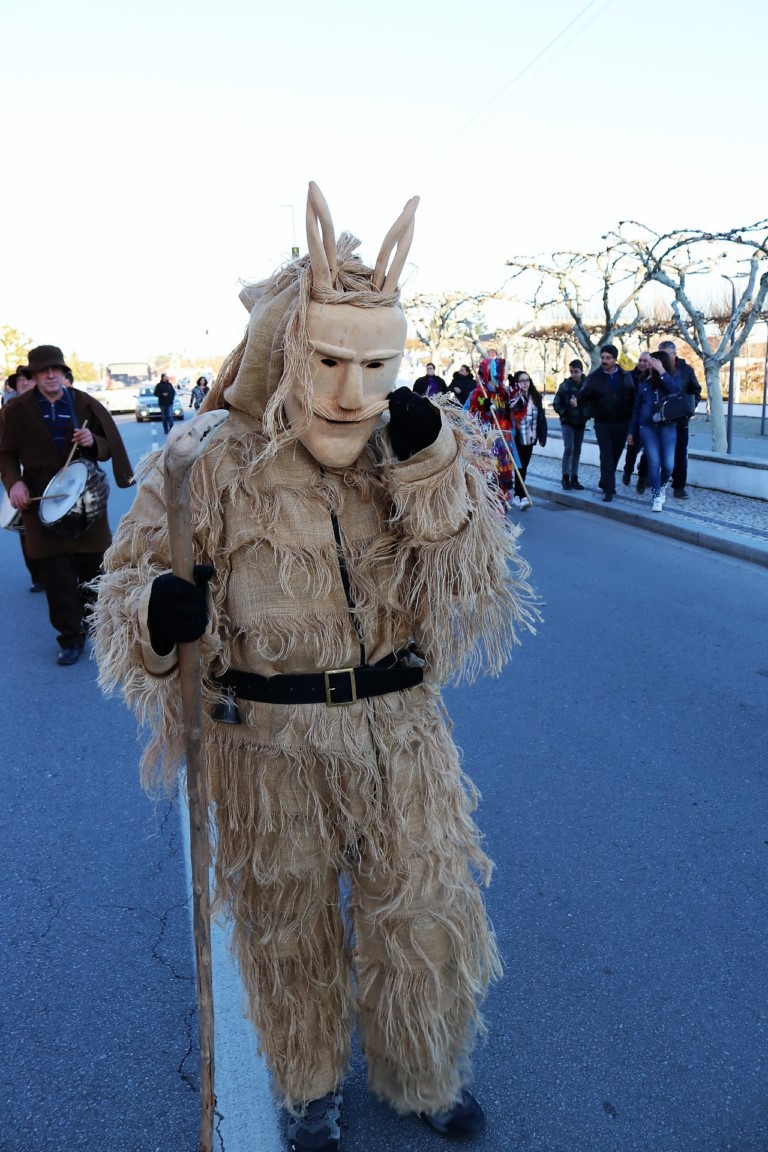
column 43, row 433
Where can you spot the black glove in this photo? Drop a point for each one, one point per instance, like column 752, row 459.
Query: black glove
column 414, row 423
column 178, row 612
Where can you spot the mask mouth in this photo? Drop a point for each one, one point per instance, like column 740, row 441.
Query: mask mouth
column 357, row 416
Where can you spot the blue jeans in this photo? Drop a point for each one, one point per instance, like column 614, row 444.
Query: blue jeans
column 572, row 441
column 658, row 441
column 166, row 411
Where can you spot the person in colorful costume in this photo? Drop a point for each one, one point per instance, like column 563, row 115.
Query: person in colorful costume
column 489, row 404
column 492, row 370
column 345, row 555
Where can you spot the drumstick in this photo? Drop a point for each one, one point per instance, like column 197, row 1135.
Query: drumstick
column 74, row 447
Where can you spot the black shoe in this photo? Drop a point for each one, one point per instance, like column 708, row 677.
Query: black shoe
column 626, row 478
column 680, row 493
column 567, row 484
column 465, row 1118
column 38, row 586
column 607, row 497
column 316, row 1127
column 68, row 656
column 641, row 487
column 575, row 484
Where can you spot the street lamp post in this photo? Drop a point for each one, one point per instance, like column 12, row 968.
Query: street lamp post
column 294, row 249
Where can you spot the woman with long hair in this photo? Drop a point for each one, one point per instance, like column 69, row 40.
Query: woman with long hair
column 657, row 439
column 530, row 426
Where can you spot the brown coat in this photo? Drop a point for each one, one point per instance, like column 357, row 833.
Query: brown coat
column 26, row 447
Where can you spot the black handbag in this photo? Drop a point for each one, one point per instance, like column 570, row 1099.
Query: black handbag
column 672, row 408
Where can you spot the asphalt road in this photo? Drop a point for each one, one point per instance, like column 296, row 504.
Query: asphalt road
column 621, row 760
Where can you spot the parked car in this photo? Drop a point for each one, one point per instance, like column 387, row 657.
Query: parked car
column 116, row 400
column 148, row 406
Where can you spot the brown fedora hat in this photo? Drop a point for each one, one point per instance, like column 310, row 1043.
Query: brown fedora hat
column 45, row 356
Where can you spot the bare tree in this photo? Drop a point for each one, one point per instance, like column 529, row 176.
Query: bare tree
column 15, row 346
column 673, row 259
column 553, row 341
column 599, row 290
column 658, row 320
column 451, row 322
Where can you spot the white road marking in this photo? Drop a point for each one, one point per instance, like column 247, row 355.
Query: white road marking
column 243, row 1095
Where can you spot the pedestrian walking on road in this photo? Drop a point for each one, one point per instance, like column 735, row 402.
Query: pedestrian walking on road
column 24, row 384
column 430, row 384
column 640, row 372
column 572, row 424
column 166, row 394
column 658, row 440
column 489, row 404
column 37, row 433
column 689, row 386
column 492, row 369
column 10, row 389
column 198, row 393
column 350, row 544
column 462, row 384
column 610, row 393
column 530, row 424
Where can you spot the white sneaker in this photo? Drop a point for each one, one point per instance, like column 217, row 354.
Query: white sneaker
column 515, row 501
column 663, row 495
column 524, row 503
column 658, row 504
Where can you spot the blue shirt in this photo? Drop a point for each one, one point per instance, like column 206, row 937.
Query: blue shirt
column 57, row 416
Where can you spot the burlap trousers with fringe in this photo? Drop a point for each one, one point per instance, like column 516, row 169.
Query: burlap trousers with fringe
column 372, row 793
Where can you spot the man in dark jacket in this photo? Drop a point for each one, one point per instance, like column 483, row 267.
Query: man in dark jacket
column 572, row 423
column 430, row 385
column 37, row 432
column 610, row 393
column 689, row 386
column 166, row 394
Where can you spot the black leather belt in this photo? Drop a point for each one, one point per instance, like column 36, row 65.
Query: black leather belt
column 336, row 687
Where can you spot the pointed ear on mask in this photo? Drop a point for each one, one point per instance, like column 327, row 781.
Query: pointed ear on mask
column 322, row 248
column 397, row 240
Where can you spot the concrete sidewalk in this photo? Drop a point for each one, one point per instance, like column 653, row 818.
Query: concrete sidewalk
column 734, row 525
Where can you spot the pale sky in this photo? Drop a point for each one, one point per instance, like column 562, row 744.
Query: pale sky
column 150, row 146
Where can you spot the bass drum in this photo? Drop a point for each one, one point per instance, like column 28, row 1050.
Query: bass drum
column 74, row 499
column 10, row 517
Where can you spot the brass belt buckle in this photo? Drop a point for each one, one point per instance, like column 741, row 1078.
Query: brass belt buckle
column 329, row 687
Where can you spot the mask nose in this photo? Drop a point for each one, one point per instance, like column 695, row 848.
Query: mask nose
column 351, row 392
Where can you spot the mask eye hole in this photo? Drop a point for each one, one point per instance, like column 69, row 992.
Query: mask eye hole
column 329, row 363
column 375, row 364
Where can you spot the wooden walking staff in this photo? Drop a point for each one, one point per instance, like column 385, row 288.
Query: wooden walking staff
column 510, row 453
column 185, row 445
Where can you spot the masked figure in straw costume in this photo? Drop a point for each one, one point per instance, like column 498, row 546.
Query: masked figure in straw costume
column 355, row 564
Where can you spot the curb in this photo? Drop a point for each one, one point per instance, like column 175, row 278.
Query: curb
column 723, row 541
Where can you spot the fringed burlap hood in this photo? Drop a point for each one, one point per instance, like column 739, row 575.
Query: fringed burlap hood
column 261, row 369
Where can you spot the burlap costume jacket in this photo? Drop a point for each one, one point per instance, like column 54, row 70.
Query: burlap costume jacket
column 305, row 792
